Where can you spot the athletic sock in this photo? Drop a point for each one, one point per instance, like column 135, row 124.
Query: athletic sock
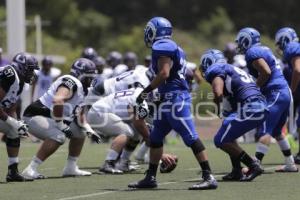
column 246, row 159
column 112, row 155
column 35, row 163
column 206, row 171
column 71, row 161
column 152, row 170
column 12, row 160
column 285, row 147
column 142, row 151
column 236, row 163
column 126, row 154
column 261, row 151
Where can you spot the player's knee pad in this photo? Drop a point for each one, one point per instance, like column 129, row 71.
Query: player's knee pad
column 197, row 146
column 13, row 142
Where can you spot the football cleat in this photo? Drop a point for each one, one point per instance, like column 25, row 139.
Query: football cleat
column 75, row 171
column 234, row 175
column 126, row 166
column 287, row 168
column 148, row 182
column 253, row 172
column 208, row 183
column 31, row 173
column 109, row 168
column 297, row 158
column 13, row 174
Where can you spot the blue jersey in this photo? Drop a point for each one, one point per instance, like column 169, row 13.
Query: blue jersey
column 239, row 85
column 291, row 50
column 276, row 80
column 176, row 81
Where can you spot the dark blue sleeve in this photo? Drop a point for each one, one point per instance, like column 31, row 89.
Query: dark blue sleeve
column 215, row 71
column 164, row 48
column 292, row 50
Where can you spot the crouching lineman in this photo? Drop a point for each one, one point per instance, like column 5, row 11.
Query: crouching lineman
column 174, row 113
column 12, row 79
column 249, row 110
column 117, row 115
column 57, row 115
column 262, row 65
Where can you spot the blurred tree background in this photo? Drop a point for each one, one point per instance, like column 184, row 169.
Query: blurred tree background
column 110, row 25
column 118, row 25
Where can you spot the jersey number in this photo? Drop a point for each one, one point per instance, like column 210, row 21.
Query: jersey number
column 123, row 94
column 245, row 77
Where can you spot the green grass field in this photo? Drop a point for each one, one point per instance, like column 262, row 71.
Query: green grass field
column 172, row 186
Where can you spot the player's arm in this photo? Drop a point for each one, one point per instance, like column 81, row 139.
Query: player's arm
column 197, row 76
column 164, row 67
column 138, row 121
column 218, row 87
column 86, row 128
column 141, row 127
column 62, row 94
column 3, row 114
column 33, row 89
column 296, row 73
column 10, row 117
column 264, row 71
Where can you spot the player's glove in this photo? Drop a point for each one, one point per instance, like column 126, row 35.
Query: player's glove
column 19, row 126
column 91, row 133
column 64, row 128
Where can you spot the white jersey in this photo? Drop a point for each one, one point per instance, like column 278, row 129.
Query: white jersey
column 130, row 79
column 44, row 81
column 71, row 104
column 10, row 83
column 118, row 103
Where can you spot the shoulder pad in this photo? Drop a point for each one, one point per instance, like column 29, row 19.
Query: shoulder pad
column 164, row 48
column 69, row 83
column 216, row 70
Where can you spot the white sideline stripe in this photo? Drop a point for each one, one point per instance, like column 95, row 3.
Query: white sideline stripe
column 87, row 195
column 164, row 183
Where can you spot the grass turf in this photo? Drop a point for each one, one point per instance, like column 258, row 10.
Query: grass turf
column 172, row 186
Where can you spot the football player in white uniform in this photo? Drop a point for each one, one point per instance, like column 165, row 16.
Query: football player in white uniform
column 57, row 115
column 12, row 79
column 140, row 77
column 117, row 115
column 45, row 77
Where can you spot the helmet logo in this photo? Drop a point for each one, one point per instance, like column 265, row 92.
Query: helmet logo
column 20, row 59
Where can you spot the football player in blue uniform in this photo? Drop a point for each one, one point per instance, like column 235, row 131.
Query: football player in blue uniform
column 262, row 64
column 287, row 41
column 246, row 110
column 168, row 63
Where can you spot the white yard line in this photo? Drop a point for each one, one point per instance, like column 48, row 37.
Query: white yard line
column 87, row 195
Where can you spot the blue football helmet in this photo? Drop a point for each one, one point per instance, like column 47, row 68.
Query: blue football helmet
column 157, row 28
column 89, row 53
column 284, row 36
column 246, row 38
column 25, row 64
column 83, row 66
column 210, row 57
